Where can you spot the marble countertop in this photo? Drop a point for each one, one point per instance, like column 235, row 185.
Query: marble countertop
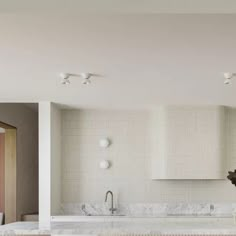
column 177, row 226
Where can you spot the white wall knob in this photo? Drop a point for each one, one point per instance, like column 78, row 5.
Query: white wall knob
column 104, row 143
column 104, row 164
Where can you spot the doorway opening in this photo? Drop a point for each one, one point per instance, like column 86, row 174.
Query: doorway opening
column 8, row 172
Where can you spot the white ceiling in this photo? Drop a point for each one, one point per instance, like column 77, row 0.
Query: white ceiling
column 144, row 59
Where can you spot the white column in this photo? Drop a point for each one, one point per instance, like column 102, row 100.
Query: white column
column 44, row 162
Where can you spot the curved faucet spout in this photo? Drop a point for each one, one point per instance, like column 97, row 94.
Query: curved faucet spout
column 108, row 192
column 112, row 209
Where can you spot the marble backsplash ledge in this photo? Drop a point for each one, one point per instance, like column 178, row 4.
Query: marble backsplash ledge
column 152, row 210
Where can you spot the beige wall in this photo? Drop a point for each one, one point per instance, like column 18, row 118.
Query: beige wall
column 26, row 122
column 129, row 176
column 2, row 144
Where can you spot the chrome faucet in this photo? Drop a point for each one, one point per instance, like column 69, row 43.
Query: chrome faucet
column 112, row 209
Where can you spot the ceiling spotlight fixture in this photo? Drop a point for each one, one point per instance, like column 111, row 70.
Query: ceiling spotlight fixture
column 66, row 78
column 228, row 77
column 86, row 78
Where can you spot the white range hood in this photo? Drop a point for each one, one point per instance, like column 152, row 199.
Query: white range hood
column 188, row 142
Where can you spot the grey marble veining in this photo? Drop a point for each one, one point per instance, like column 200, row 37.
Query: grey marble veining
column 174, row 226
column 152, row 210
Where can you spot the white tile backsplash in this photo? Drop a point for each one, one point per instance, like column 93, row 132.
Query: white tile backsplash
column 129, row 153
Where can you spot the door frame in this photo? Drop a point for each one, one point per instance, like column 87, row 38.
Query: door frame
column 10, row 172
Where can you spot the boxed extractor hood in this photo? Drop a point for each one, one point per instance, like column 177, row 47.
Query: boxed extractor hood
column 188, row 142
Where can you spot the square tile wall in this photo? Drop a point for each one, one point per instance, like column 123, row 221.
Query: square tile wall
column 129, row 154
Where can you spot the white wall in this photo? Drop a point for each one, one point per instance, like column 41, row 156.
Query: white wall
column 49, row 161
column 44, row 162
column 26, row 122
column 55, row 160
column 129, row 176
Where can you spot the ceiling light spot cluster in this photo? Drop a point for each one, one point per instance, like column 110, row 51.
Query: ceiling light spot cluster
column 228, row 77
column 65, row 78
